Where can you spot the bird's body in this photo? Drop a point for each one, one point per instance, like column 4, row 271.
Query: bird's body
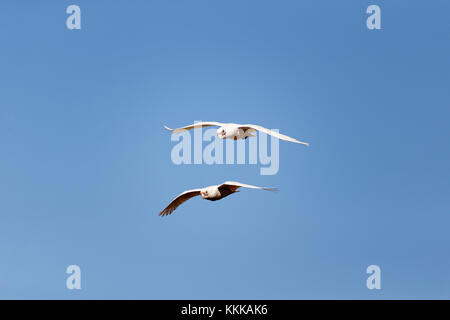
column 212, row 193
column 236, row 131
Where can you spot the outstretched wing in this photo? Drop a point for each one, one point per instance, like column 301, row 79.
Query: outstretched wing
column 253, row 127
column 195, row 125
column 232, row 186
column 179, row 200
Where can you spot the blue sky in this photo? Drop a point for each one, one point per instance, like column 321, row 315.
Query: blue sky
column 85, row 164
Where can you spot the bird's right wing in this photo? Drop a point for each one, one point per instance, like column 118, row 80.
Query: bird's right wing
column 233, row 186
column 195, row 125
column 179, row 200
column 253, row 127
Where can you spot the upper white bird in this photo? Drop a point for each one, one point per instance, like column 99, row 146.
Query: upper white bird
column 236, row 131
column 211, row 193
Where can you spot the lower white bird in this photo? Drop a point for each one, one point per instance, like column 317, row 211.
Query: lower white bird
column 236, row 131
column 211, row 193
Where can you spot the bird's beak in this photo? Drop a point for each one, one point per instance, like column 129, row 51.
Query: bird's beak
column 202, row 194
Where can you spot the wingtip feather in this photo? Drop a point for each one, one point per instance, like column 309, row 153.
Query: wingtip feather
column 304, row 143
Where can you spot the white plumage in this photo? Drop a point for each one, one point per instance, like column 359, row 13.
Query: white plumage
column 236, row 131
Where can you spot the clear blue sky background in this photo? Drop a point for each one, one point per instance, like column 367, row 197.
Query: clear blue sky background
column 85, row 163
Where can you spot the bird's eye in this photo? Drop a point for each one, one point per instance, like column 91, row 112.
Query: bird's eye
column 206, row 192
column 223, row 131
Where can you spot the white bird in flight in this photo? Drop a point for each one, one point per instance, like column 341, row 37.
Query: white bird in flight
column 236, row 131
column 211, row 193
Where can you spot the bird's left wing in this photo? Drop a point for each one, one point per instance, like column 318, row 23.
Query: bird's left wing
column 233, row 186
column 179, row 200
column 195, row 125
column 278, row 135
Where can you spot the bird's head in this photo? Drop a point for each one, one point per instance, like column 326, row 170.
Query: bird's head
column 221, row 132
column 210, row 192
column 204, row 193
